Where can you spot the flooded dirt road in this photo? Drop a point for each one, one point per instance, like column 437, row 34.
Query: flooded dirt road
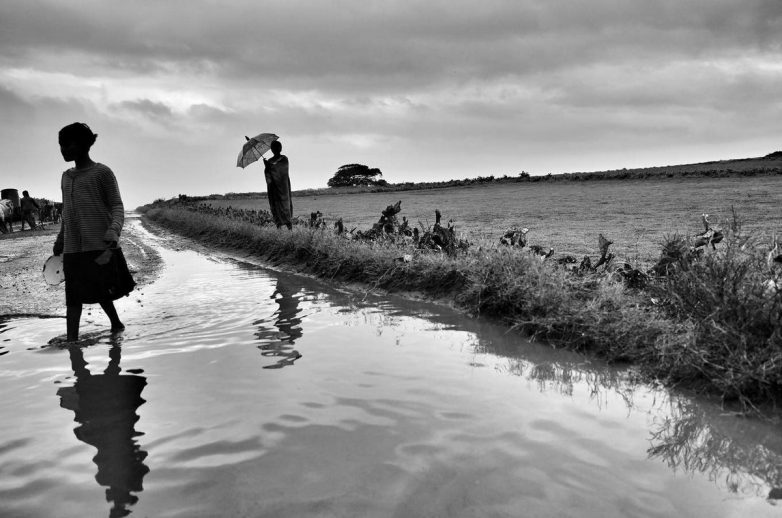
column 241, row 391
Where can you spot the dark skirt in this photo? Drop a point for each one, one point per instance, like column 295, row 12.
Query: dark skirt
column 87, row 282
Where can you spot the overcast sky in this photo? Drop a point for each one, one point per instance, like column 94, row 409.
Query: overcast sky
column 423, row 90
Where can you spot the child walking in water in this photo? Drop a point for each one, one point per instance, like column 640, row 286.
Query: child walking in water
column 92, row 218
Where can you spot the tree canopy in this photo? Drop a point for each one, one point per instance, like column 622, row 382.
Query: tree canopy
column 356, row 174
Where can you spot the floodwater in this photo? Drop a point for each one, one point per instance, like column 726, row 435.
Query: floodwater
column 241, row 391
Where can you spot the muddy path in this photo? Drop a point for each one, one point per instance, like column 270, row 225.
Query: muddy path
column 22, row 255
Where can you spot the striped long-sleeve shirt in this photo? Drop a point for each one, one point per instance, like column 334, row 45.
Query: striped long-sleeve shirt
column 92, row 210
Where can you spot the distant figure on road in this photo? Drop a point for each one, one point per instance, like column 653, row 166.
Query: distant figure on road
column 92, row 217
column 28, row 205
column 278, row 186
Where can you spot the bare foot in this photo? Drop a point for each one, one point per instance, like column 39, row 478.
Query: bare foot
column 118, row 328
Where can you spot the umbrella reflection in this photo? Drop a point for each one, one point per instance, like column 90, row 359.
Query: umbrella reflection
column 105, row 408
column 278, row 342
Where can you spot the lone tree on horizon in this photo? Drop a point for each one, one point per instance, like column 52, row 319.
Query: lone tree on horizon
column 356, row 174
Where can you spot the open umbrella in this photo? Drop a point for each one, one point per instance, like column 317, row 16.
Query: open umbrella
column 254, row 148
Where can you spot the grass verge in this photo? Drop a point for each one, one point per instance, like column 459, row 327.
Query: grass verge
column 712, row 327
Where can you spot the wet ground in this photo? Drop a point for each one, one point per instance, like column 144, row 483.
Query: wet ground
column 241, row 391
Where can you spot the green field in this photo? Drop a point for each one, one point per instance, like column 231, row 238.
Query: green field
column 635, row 214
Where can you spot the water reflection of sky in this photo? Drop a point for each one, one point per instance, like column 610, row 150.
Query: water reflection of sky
column 270, row 394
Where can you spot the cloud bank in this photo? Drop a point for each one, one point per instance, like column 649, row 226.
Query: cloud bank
column 420, row 89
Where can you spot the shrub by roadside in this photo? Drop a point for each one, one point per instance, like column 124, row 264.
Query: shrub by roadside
column 731, row 301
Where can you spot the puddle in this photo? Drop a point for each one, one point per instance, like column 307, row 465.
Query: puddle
column 241, row 391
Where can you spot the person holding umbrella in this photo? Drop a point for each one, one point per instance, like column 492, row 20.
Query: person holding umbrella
column 278, row 186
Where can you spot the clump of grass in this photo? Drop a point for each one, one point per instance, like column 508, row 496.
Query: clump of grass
column 735, row 321
column 711, row 325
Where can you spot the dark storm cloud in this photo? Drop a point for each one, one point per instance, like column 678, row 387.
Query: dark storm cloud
column 521, row 84
column 384, row 45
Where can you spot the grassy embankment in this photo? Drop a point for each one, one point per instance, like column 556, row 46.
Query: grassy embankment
column 711, row 326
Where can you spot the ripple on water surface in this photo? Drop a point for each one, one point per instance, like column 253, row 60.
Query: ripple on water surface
column 241, row 391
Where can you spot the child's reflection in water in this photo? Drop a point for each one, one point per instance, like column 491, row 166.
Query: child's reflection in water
column 105, row 408
column 288, row 324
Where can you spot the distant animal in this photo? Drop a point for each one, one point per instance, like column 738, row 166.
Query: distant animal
column 6, row 213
